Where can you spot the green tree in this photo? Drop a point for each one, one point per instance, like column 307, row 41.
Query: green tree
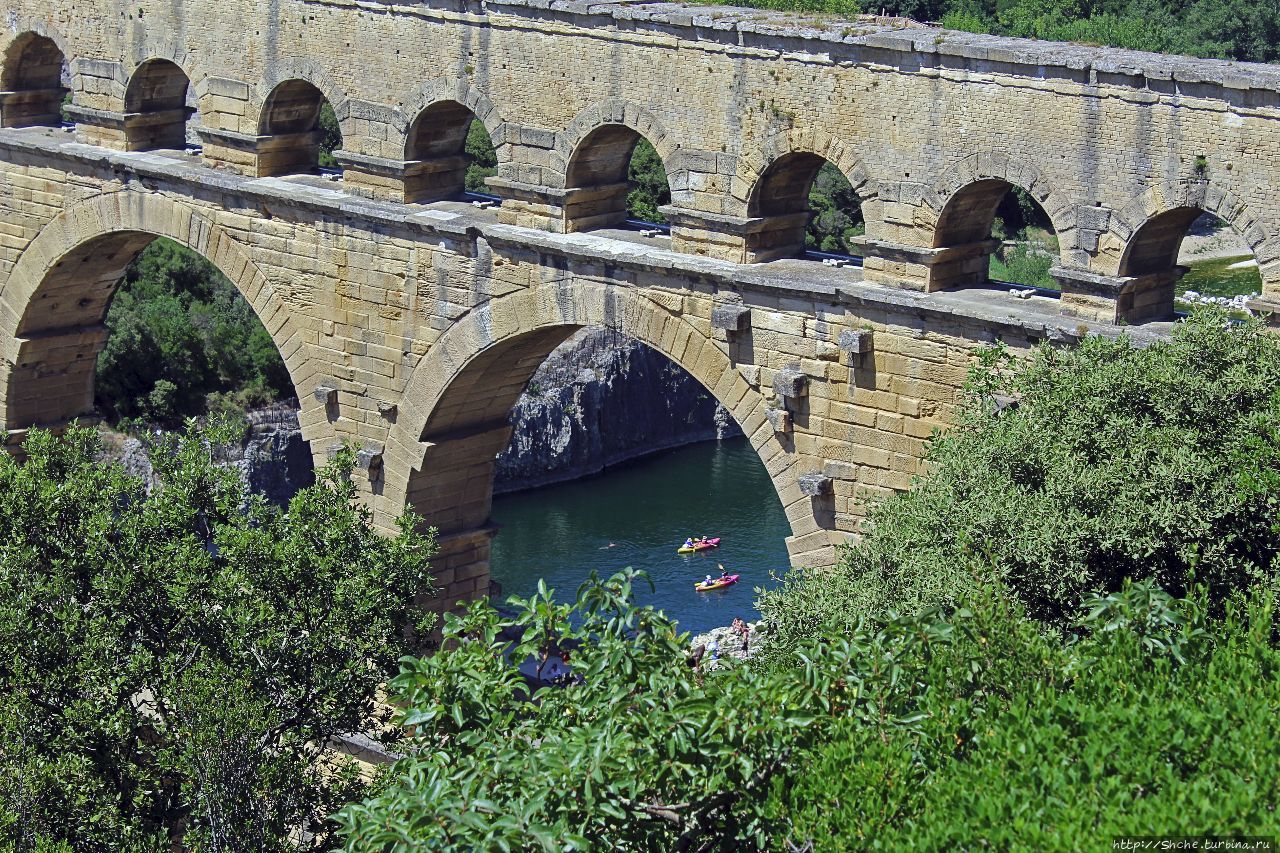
column 646, row 753
column 837, row 212
column 483, row 158
column 173, row 665
column 177, row 320
column 649, row 187
column 330, row 135
column 1118, row 461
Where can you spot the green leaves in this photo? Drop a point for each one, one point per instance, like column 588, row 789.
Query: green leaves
column 640, row 752
column 175, row 663
column 1117, row 462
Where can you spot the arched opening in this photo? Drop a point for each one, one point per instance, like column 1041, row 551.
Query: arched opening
column 1185, row 256
column 155, row 106
column 130, row 327
column 992, row 229
column 301, row 129
column 448, row 152
column 802, row 203
column 520, row 415
column 33, row 82
column 614, row 174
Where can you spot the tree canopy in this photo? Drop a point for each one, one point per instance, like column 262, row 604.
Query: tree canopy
column 175, row 665
column 182, row 341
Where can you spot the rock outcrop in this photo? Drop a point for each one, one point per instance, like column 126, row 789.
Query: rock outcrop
column 599, row 399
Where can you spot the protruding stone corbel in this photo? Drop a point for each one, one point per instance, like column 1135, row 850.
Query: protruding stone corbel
column 332, row 451
column 790, row 383
column 387, row 409
column 326, row 394
column 731, row 319
column 815, row 485
column 779, row 419
column 855, row 344
column 369, row 458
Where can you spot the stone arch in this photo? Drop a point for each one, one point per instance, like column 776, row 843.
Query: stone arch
column 615, row 111
column 592, row 156
column 435, row 137
column 31, row 79
column 460, row 91
column 753, row 167
column 960, row 208
column 289, row 127
column 1167, row 208
column 453, row 420
column 54, row 302
column 778, row 199
column 284, row 70
column 155, row 106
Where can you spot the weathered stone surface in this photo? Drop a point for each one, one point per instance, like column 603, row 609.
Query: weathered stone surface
column 815, row 484
column 790, row 382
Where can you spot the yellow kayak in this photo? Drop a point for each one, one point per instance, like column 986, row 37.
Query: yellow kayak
column 699, row 546
column 718, row 583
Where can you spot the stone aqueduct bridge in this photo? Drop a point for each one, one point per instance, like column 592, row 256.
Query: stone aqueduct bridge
column 410, row 323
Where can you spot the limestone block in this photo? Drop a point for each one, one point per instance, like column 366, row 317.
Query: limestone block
column 731, row 318
column 815, row 484
column 779, row 419
column 790, row 383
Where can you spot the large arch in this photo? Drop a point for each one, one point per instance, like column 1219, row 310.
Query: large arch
column 54, row 303
column 155, row 106
column 453, row 420
column 31, row 81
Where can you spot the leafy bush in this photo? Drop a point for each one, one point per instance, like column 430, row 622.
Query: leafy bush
column 174, row 665
column 483, row 158
column 1109, row 735
column 179, row 331
column 649, row 187
column 1118, row 462
column 645, row 753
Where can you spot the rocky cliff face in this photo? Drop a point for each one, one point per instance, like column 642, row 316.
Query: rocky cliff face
column 273, row 459
column 599, row 399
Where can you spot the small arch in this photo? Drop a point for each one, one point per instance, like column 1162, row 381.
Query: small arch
column 602, row 173
column 155, row 105
column 302, row 129
column 448, row 151
column 990, row 222
column 1155, row 268
column 32, row 82
column 802, row 201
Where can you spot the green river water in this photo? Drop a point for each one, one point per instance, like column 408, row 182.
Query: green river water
column 646, row 509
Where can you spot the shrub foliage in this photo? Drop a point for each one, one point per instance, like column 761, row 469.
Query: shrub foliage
column 173, row 665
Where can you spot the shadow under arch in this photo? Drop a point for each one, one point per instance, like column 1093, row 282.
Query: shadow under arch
column 53, row 306
column 459, row 397
column 780, row 205
column 155, row 105
column 31, row 80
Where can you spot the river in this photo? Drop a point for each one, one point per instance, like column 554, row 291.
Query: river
column 646, row 508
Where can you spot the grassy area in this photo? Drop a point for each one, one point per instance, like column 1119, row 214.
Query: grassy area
column 1216, row 278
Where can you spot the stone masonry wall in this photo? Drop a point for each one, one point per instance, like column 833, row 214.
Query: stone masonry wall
column 917, row 117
